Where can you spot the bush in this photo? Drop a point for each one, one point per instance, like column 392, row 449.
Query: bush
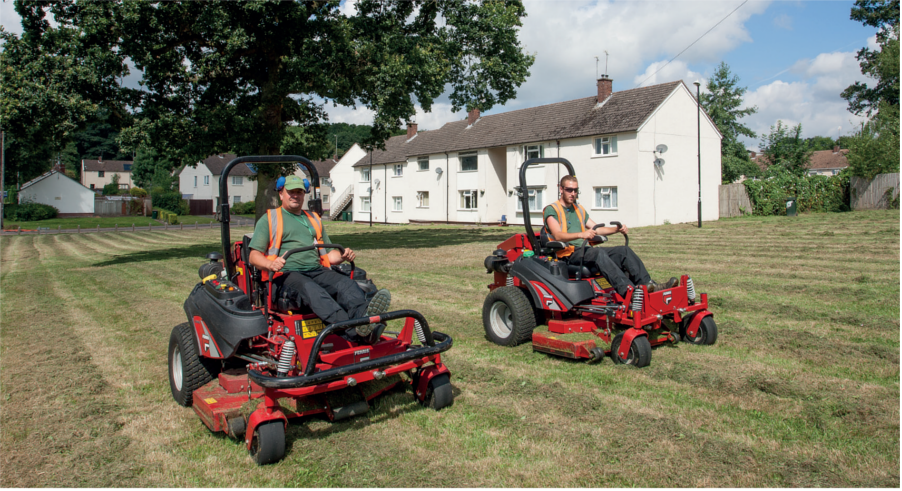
column 812, row 193
column 138, row 192
column 9, row 210
column 167, row 216
column 110, row 189
column 170, row 201
column 30, row 212
column 244, row 208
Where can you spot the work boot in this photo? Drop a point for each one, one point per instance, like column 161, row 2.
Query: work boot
column 672, row 282
column 378, row 305
column 653, row 286
column 376, row 335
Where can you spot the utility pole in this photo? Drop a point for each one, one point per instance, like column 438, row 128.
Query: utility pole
column 2, row 175
column 698, row 123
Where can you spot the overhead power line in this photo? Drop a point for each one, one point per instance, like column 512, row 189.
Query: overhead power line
column 687, row 47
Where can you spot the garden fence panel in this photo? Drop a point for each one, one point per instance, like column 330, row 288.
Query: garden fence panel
column 733, row 199
column 874, row 194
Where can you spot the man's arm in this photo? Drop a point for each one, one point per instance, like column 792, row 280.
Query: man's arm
column 555, row 229
column 258, row 260
column 605, row 230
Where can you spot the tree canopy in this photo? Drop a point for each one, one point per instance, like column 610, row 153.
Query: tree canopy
column 234, row 76
column 882, row 64
column 784, row 147
column 722, row 102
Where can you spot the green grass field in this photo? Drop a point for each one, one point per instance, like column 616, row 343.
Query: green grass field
column 801, row 389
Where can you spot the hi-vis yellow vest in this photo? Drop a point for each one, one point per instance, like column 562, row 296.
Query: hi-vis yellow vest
column 275, row 237
column 559, row 211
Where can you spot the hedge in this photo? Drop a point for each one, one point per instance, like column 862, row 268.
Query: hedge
column 29, row 212
column 167, row 216
column 244, row 208
column 170, row 201
column 812, row 193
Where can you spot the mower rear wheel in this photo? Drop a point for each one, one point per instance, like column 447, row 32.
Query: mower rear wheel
column 508, row 317
column 268, row 445
column 187, row 371
column 639, row 355
column 438, row 394
column 706, row 334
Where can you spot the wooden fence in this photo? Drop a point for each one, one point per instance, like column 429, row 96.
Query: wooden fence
column 198, row 207
column 734, row 199
column 119, row 206
column 875, row 194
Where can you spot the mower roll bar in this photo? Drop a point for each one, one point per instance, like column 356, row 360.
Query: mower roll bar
column 524, row 196
column 224, row 193
column 309, row 378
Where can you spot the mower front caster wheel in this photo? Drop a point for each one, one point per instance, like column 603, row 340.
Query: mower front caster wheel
column 438, row 393
column 508, row 317
column 187, row 371
column 268, row 445
column 705, row 335
column 639, row 355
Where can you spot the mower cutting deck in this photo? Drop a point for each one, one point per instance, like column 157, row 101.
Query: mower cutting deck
column 532, row 286
column 248, row 360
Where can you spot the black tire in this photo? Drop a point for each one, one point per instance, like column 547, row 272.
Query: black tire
column 639, row 355
column 706, row 334
column 438, row 393
column 187, row 371
column 508, row 316
column 268, row 445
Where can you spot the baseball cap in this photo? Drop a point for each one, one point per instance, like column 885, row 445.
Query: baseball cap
column 295, row 182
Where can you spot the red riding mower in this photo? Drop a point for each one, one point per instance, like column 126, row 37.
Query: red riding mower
column 248, row 359
column 586, row 318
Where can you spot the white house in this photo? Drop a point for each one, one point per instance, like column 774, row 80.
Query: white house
column 202, row 181
column 54, row 188
column 343, row 178
column 95, row 174
column 635, row 153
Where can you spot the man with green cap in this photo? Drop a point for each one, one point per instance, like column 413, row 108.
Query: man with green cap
column 332, row 296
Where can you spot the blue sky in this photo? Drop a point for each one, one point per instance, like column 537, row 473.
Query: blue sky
column 795, row 57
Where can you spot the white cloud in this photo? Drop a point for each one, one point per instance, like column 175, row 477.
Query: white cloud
column 348, row 7
column 441, row 113
column 9, row 19
column 677, row 70
column 814, row 101
column 783, row 21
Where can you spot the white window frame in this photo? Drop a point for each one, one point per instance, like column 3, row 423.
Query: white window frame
column 473, row 194
column 364, row 204
column 397, row 203
column 398, row 170
column 100, row 173
column 421, row 161
column 325, row 198
column 364, row 174
column 462, row 155
column 422, row 199
column 237, row 180
column 195, row 181
column 539, row 149
column 538, row 192
column 236, row 200
column 598, row 146
column 598, row 193
column 206, row 180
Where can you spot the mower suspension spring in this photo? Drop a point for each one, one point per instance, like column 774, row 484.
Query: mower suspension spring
column 288, row 350
column 510, row 281
column 690, row 289
column 638, row 297
column 419, row 330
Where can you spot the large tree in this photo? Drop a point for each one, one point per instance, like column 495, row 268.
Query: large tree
column 881, row 64
column 232, row 76
column 723, row 103
column 785, row 147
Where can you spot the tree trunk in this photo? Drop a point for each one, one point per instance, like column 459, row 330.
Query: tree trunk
column 267, row 197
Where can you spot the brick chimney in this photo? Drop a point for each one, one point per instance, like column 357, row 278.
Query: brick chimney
column 472, row 116
column 605, row 88
column 411, row 130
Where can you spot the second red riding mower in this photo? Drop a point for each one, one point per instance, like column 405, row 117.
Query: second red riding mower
column 249, row 359
column 586, row 318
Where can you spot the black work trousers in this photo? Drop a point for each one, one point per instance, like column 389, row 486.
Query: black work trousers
column 332, row 296
column 619, row 265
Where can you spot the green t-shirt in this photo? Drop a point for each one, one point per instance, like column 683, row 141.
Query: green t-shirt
column 296, row 232
column 572, row 219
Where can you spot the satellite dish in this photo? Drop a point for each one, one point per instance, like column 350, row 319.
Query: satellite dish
column 659, row 162
column 661, row 148
column 438, row 170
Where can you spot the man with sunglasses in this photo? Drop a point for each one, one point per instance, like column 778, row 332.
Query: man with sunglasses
column 332, row 296
column 619, row 265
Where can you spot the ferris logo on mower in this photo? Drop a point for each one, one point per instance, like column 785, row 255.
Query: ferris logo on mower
column 667, row 298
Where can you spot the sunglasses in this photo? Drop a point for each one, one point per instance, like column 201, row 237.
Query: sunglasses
column 571, row 190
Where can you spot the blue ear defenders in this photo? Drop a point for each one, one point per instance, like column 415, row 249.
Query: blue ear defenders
column 280, row 183
column 306, row 185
